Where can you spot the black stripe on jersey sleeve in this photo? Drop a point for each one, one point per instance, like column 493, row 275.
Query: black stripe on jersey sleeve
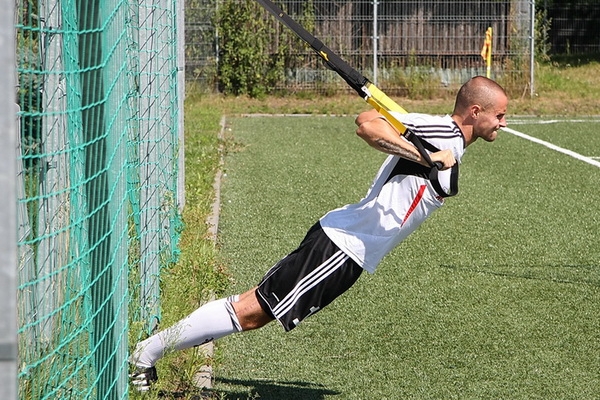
column 436, row 131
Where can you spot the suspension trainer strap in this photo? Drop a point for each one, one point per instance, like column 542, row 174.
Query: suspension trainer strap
column 365, row 89
column 422, row 145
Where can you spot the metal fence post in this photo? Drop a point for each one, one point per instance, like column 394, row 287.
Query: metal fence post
column 375, row 39
column 180, row 26
column 532, row 49
column 8, row 224
column 53, row 213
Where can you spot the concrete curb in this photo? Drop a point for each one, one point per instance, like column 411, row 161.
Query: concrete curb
column 204, row 377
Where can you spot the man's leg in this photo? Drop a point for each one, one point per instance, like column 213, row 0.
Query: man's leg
column 211, row 321
column 249, row 312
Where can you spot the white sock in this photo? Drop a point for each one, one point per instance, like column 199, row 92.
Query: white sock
column 212, row 321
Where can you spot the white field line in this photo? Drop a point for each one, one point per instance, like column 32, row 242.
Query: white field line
column 550, row 121
column 578, row 156
column 589, row 160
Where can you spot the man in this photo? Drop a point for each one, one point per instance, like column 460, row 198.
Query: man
column 350, row 239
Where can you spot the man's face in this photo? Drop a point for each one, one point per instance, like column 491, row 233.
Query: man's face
column 489, row 120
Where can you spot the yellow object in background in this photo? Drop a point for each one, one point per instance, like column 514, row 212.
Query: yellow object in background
column 486, row 51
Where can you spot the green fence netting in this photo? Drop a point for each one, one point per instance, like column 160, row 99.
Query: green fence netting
column 98, row 194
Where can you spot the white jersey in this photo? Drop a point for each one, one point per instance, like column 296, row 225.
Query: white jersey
column 399, row 200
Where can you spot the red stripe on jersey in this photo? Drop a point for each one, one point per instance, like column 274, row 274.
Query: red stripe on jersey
column 415, row 202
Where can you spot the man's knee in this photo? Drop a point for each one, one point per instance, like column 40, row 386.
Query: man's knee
column 249, row 312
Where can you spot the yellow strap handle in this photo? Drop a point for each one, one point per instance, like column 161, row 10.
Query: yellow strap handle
column 383, row 104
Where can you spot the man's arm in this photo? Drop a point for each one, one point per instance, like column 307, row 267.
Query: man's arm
column 374, row 129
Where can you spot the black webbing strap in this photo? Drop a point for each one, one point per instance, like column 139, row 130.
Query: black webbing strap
column 423, row 145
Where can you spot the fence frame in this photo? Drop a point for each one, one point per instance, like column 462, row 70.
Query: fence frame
column 8, row 225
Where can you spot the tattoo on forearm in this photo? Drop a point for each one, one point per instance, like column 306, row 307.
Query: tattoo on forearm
column 397, row 150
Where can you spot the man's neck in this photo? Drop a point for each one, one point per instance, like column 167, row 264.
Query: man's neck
column 466, row 129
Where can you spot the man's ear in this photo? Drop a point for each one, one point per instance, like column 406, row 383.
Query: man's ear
column 475, row 110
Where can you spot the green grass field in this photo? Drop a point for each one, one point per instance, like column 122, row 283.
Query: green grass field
column 495, row 297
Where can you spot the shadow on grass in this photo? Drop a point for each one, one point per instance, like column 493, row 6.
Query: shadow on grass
column 274, row 390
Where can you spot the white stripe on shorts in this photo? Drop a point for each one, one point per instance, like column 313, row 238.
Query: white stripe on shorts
column 308, row 282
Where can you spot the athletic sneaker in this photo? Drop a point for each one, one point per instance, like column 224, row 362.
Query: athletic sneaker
column 142, row 378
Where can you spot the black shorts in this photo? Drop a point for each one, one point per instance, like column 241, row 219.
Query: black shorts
column 307, row 279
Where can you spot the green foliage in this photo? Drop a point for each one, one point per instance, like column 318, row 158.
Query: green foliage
column 200, row 44
column 542, row 35
column 563, row 80
column 245, row 67
column 418, row 79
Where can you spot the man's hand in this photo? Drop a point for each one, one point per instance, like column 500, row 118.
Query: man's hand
column 446, row 157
